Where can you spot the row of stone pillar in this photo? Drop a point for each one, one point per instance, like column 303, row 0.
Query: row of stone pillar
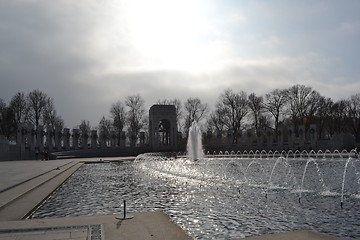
column 64, row 139
column 270, row 138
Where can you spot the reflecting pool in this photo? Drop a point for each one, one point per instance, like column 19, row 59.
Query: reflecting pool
column 221, row 197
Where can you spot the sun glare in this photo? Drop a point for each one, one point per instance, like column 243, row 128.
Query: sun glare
column 168, row 33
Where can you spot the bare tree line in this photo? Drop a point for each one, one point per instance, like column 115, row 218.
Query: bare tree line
column 295, row 106
column 35, row 108
column 232, row 113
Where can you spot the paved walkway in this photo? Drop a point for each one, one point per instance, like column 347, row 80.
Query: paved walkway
column 150, row 225
column 25, row 187
column 15, row 172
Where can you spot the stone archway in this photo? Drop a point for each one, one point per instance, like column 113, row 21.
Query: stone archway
column 164, row 132
column 163, row 128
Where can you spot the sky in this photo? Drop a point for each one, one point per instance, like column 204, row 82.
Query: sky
column 89, row 54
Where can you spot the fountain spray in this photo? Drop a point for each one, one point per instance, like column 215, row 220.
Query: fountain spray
column 194, row 144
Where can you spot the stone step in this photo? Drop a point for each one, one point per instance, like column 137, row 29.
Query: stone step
column 12, row 193
column 30, row 196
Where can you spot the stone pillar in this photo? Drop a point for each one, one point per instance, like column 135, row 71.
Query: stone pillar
column 229, row 138
column 49, row 142
column 142, row 139
column 112, row 139
column 25, row 136
column 28, row 135
column 269, row 135
column 208, row 138
column 28, row 148
column 102, row 139
column 94, row 138
column 84, row 140
column 40, row 138
column 313, row 135
column 58, row 136
column 66, row 139
column 249, row 141
column 106, row 140
column 75, row 139
column 21, row 138
column 291, row 136
column 218, row 138
column 280, row 137
column 302, row 136
column 123, row 139
column 259, row 139
column 31, row 133
column 241, row 139
column 19, row 135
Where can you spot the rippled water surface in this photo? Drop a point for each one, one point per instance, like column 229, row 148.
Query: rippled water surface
column 221, row 198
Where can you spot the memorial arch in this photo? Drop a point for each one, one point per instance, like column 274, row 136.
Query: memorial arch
column 163, row 128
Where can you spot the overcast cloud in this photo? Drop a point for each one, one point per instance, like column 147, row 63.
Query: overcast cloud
column 88, row 54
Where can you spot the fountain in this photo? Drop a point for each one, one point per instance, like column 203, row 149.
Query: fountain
column 194, row 144
column 223, row 196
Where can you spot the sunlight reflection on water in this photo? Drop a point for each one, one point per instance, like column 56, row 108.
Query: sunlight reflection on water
column 217, row 198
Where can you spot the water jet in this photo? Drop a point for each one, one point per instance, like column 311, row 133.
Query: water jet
column 194, row 144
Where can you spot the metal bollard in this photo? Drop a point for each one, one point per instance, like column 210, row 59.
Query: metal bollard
column 124, row 209
column 125, row 216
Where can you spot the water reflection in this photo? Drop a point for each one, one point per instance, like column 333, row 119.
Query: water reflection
column 219, row 199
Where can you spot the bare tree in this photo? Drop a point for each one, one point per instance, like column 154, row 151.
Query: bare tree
column 275, row 102
column 135, row 116
column 353, row 112
column 234, row 107
column 256, row 107
column 195, row 110
column 118, row 115
column 2, row 110
column 84, row 128
column 337, row 121
column 18, row 104
column 216, row 122
column 7, row 123
column 36, row 104
column 323, row 116
column 105, row 126
column 50, row 118
column 314, row 102
column 264, row 121
column 303, row 102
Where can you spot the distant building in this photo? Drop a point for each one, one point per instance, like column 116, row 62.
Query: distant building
column 163, row 128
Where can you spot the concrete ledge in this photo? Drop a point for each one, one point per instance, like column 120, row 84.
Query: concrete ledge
column 147, row 225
